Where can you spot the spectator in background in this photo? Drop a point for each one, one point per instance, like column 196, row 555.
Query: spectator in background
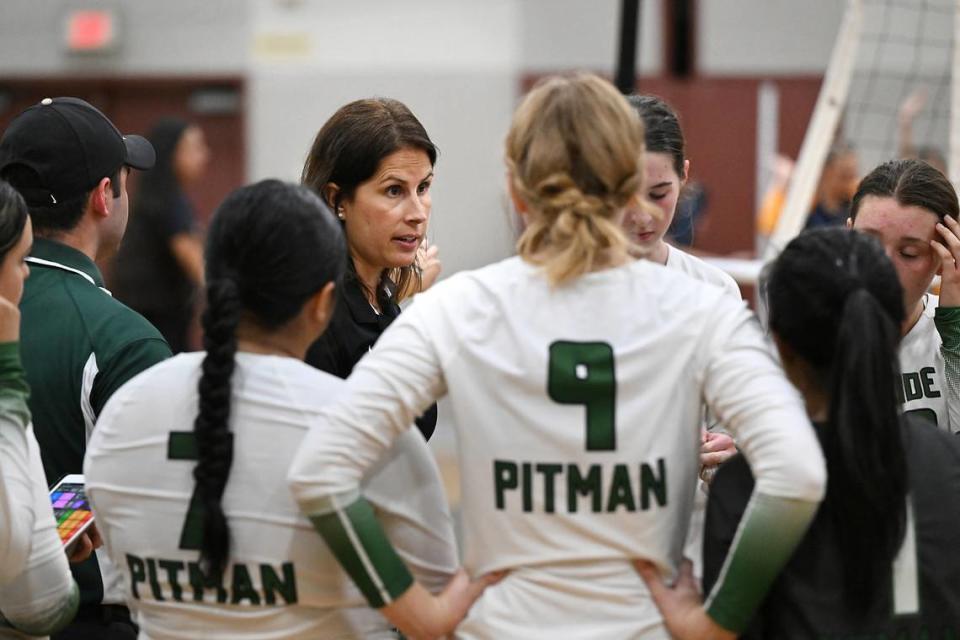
column 78, row 343
column 910, row 108
column 838, row 182
column 159, row 269
column 691, row 210
column 831, row 205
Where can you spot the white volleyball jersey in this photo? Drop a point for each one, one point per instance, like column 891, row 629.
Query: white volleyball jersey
column 282, row 581
column 578, row 415
column 701, row 270
column 924, row 388
column 704, row 272
column 35, row 582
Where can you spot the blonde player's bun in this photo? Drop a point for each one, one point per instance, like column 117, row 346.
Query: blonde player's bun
column 574, row 152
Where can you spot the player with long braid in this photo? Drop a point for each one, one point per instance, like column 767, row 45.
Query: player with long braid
column 576, row 374
column 212, row 543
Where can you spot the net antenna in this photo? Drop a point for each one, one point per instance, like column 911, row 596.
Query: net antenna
column 889, row 55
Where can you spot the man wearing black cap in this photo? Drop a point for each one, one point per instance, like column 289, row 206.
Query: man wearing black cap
column 79, row 345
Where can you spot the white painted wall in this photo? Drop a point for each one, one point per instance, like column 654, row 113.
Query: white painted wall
column 156, row 36
column 456, row 63
column 453, row 64
column 738, row 37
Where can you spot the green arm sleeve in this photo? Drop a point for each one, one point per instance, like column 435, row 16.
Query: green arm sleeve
column 351, row 530
column 769, row 532
column 13, row 384
column 947, row 320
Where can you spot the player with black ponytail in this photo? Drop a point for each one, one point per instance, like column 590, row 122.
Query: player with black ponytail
column 209, row 506
column 836, row 310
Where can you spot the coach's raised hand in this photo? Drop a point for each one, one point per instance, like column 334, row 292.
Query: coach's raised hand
column 428, row 257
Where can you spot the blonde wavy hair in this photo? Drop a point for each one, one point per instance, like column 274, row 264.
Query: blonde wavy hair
column 575, row 155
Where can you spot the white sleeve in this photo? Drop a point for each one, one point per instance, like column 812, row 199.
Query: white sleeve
column 407, row 495
column 42, row 597
column 388, row 388
column 392, row 385
column 747, row 390
column 17, row 508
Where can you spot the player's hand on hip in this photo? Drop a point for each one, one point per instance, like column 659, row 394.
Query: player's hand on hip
column 428, row 257
column 422, row 616
column 462, row 591
column 948, row 249
column 681, row 605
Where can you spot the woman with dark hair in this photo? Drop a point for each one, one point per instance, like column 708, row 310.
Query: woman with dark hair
column 912, row 209
column 211, row 539
column 372, row 163
column 37, row 594
column 159, row 267
column 880, row 558
column 666, row 169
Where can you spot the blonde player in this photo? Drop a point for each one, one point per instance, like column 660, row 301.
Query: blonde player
column 187, row 465
column 912, row 209
column 576, row 376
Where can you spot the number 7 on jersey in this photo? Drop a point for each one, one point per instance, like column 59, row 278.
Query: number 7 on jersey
column 583, row 373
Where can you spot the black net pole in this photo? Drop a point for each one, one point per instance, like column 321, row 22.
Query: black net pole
column 627, row 59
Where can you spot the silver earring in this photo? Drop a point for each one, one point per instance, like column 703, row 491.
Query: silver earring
column 340, row 212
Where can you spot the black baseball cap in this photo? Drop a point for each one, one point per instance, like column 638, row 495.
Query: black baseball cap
column 71, row 146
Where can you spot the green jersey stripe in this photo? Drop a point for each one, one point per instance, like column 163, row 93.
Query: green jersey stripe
column 361, row 547
column 773, row 524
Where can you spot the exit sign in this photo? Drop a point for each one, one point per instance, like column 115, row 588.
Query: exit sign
column 91, row 31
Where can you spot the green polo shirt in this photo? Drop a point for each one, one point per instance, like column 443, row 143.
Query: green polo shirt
column 78, row 346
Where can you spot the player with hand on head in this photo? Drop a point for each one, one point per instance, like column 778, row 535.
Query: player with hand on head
column 212, row 542
column 880, row 558
column 577, row 374
column 912, row 209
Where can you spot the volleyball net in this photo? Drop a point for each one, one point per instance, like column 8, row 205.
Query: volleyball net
column 892, row 88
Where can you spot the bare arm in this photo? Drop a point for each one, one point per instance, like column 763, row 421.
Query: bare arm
column 188, row 251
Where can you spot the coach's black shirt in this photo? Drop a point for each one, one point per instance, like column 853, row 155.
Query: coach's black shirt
column 353, row 330
column 806, row 601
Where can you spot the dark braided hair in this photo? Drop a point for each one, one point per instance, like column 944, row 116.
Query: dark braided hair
column 834, row 298
column 270, row 247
